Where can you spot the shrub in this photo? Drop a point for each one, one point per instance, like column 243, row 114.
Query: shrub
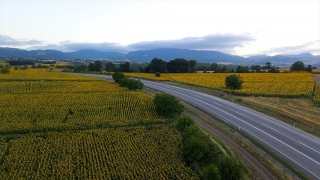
column 184, row 122
column 117, row 76
column 211, row 172
column 233, row 82
column 158, row 74
column 167, row 105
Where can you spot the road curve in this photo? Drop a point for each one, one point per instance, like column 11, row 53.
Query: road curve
column 298, row 147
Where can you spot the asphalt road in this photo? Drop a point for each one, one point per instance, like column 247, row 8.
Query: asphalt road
column 298, row 147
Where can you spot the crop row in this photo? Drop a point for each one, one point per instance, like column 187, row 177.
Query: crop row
column 141, row 152
column 40, row 74
column 57, row 86
column 36, row 111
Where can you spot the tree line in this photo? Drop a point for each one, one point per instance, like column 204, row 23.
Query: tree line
column 180, row 65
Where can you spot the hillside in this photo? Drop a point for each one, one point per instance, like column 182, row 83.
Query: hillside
column 167, row 54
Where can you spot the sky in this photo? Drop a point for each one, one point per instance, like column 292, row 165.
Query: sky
column 243, row 28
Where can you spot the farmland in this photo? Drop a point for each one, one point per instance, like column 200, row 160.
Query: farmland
column 72, row 103
column 123, row 153
column 62, row 126
column 258, row 84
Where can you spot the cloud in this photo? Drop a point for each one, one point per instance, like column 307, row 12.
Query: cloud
column 218, row 42
column 8, row 41
column 313, row 47
column 69, row 46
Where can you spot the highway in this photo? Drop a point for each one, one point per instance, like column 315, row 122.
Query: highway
column 294, row 145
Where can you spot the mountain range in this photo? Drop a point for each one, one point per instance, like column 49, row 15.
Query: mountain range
column 167, row 54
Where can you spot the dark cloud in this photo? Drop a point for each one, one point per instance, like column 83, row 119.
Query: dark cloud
column 312, row 47
column 218, row 42
column 69, row 46
column 8, row 41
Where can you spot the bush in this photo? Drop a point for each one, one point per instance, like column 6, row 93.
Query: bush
column 135, row 84
column 230, row 168
column 167, row 105
column 211, row 172
column 131, row 84
column 158, row 74
column 184, row 122
column 117, row 76
column 233, row 82
column 194, row 144
column 124, row 81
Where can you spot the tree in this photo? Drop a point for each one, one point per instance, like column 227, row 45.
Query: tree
column 193, row 66
column 110, row 66
column 140, row 69
column 268, row 65
column 167, row 105
column 230, row 168
column 98, row 65
column 157, row 65
column 309, row 68
column 215, row 67
column 241, row 69
column 194, row 143
column 125, row 67
column 184, row 122
column 81, row 68
column 273, row 70
column 178, row 65
column 297, row 66
column 256, row 68
column 95, row 66
column 224, row 69
column 233, row 82
column 117, row 76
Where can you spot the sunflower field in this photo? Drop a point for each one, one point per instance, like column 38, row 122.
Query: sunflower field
column 140, row 152
column 75, row 102
column 35, row 74
column 258, row 84
column 64, row 126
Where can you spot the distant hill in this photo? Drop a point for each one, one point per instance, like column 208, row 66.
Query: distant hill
column 93, row 54
column 166, row 54
column 170, row 53
column 286, row 60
